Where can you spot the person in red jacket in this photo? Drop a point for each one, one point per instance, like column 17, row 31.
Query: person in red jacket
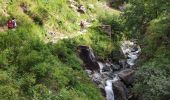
column 10, row 24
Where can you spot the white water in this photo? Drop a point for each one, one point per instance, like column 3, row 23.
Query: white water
column 105, row 78
column 101, row 66
column 127, row 49
column 109, row 90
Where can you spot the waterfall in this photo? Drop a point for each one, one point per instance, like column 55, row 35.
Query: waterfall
column 109, row 89
column 100, row 66
column 130, row 50
column 106, row 76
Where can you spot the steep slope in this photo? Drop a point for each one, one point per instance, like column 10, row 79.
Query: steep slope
column 32, row 69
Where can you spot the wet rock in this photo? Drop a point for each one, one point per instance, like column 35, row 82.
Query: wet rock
column 89, row 72
column 106, row 68
column 134, row 49
column 88, row 57
column 127, row 76
column 123, row 63
column 96, row 77
column 115, row 67
column 120, row 90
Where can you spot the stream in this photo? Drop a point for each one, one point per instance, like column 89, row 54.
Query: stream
column 112, row 78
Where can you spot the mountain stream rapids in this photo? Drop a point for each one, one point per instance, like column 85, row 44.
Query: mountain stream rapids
column 113, row 79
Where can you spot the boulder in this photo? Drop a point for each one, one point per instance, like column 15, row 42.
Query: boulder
column 120, row 90
column 123, row 63
column 127, row 76
column 106, row 68
column 88, row 57
column 115, row 67
column 96, row 77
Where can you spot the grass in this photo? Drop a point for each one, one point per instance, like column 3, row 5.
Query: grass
column 32, row 69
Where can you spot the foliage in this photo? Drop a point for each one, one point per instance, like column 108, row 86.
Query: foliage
column 33, row 70
column 148, row 20
column 139, row 13
column 153, row 80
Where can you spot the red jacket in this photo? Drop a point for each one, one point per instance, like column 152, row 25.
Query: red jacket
column 10, row 24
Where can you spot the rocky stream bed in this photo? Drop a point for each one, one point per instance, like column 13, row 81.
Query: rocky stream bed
column 113, row 78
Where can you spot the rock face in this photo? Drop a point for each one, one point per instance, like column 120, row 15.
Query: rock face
column 120, row 90
column 127, row 76
column 87, row 55
column 123, row 63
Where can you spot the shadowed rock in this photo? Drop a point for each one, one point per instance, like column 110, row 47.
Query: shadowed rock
column 87, row 55
column 120, row 90
column 127, row 76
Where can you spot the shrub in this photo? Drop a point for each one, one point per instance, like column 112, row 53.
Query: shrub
column 152, row 83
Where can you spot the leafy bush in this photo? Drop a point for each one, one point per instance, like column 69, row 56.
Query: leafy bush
column 152, row 83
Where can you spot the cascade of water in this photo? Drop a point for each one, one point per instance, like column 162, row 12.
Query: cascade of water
column 130, row 50
column 104, row 75
column 109, row 89
column 100, row 66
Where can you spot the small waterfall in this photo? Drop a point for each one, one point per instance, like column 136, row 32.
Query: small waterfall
column 130, row 50
column 100, row 66
column 109, row 89
column 108, row 76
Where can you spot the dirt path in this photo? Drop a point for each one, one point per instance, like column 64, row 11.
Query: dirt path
column 3, row 29
column 56, row 37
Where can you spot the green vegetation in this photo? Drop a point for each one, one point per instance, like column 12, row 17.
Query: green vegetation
column 149, row 21
column 31, row 69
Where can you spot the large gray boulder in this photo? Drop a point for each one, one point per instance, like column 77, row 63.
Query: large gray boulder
column 88, row 57
column 127, row 76
column 120, row 90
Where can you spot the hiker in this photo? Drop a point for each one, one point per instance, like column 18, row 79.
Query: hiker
column 82, row 26
column 10, row 24
column 14, row 22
